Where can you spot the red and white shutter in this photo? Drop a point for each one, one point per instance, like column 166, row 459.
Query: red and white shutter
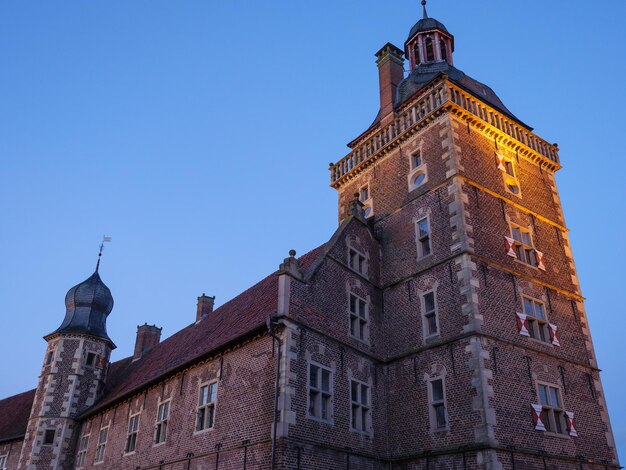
column 522, row 324
column 571, row 423
column 500, row 162
column 554, row 336
column 539, row 257
column 509, row 246
column 538, row 417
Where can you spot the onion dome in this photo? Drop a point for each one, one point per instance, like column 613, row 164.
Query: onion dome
column 87, row 305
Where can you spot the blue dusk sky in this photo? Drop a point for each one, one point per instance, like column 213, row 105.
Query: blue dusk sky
column 198, row 135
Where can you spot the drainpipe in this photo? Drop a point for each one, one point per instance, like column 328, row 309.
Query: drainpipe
column 270, row 328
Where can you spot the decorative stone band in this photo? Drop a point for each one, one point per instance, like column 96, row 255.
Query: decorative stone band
column 539, row 257
column 538, row 417
column 500, row 162
column 571, row 423
column 554, row 337
column 522, row 324
column 509, row 246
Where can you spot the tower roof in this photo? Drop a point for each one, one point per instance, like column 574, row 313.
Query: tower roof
column 426, row 24
column 87, row 306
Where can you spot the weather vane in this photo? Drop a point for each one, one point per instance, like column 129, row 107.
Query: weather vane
column 105, row 239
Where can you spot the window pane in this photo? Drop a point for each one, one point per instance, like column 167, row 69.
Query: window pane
column 364, row 394
column 516, row 234
column 363, row 419
column 355, row 391
column 325, row 406
column 313, row 403
column 419, row 179
column 437, row 387
column 425, row 246
column 203, row 395
column 526, row 238
column 325, row 380
column 528, row 307
column 431, row 321
column 543, row 395
column 213, row 388
column 352, row 303
column 355, row 413
column 440, row 414
column 429, row 302
column 362, row 308
column 539, row 311
column 554, row 398
column 423, row 228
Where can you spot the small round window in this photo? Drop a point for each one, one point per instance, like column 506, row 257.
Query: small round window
column 419, row 179
column 512, row 186
column 367, row 211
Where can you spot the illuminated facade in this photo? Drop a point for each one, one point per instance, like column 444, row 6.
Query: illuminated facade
column 442, row 326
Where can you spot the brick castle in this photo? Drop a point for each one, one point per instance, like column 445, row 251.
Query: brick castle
column 441, row 327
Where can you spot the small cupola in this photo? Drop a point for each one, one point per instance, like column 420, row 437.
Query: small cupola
column 429, row 42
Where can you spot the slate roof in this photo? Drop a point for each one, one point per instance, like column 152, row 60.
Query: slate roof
column 15, row 412
column 244, row 314
column 424, row 25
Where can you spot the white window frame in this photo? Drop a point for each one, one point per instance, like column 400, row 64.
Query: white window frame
column 368, row 203
column 318, row 398
column 538, row 328
column 206, row 409
column 416, row 170
column 360, row 412
column 3, row 461
column 81, row 455
column 419, row 238
column 133, row 431
column 362, row 265
column 434, row 404
column 161, row 422
column 359, row 318
column 101, row 446
column 426, row 315
column 525, row 253
column 553, row 416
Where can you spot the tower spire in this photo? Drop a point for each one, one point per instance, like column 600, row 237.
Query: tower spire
column 424, row 6
column 104, row 239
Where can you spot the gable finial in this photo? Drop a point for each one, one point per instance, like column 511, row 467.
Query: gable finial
column 424, row 5
column 104, row 239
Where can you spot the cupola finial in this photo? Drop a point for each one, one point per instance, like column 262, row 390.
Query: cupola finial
column 424, row 5
column 104, row 239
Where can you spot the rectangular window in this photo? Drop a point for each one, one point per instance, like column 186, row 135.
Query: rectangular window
column 48, row 362
column 364, row 193
column 131, row 438
column 538, row 327
column 358, row 318
column 3, row 462
column 553, row 414
column 320, row 392
column 423, row 237
column 48, row 437
column 416, row 159
column 429, row 307
column 357, row 261
column 360, row 413
column 438, row 404
column 163, row 414
column 82, row 451
column 205, row 416
column 91, row 359
column 523, row 245
column 101, row 447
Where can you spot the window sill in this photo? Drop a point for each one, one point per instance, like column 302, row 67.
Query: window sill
column 98, row 463
column 320, row 420
column 159, row 444
column 361, row 433
column 526, row 264
column 203, row 431
column 425, row 257
column 556, row 434
column 440, row 430
column 545, row 343
column 362, row 341
column 126, row 454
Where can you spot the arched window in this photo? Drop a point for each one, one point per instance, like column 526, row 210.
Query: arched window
column 444, row 54
column 416, row 53
column 430, row 49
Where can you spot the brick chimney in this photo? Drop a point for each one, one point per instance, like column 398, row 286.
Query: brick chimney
column 205, row 306
column 390, row 73
column 148, row 336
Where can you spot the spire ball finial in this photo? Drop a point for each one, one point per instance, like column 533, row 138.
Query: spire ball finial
column 292, row 253
column 424, row 5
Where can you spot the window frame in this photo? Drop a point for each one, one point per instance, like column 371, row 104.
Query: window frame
column 433, row 405
column 426, row 315
column 364, row 410
column 132, row 433
column 416, row 170
column 4, row 458
column 355, row 316
column 420, row 239
column 81, row 454
column 161, row 423
column 509, row 175
column 320, row 393
column 538, row 328
column 524, row 253
column 93, row 356
column 363, row 264
column 100, row 454
column 553, row 416
column 201, row 407
column 46, row 441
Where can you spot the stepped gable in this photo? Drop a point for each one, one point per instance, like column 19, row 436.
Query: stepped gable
column 243, row 315
column 15, row 412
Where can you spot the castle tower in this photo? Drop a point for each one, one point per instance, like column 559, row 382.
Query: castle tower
column 488, row 354
column 72, row 376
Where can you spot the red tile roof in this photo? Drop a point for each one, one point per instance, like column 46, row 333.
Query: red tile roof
column 244, row 315
column 15, row 412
